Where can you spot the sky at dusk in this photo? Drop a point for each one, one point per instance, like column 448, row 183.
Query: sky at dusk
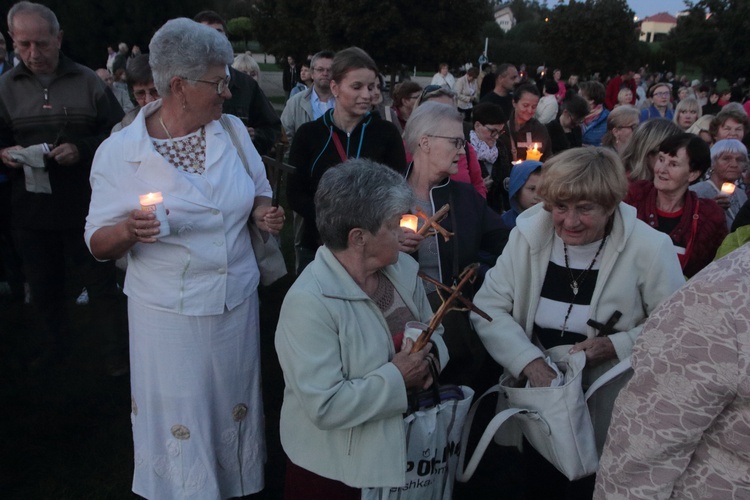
column 645, row 8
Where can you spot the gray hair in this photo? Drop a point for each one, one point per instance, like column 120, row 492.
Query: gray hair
column 34, row 8
column 358, row 193
column 428, row 119
column 727, row 146
column 186, row 49
column 323, row 54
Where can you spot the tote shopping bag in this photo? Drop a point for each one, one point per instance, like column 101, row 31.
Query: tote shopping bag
column 432, row 446
column 555, row 420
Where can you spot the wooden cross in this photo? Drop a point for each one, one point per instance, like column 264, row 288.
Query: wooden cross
column 607, row 328
column 431, row 223
column 275, row 167
column 467, row 275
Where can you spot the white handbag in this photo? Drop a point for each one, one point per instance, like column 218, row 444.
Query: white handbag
column 555, row 420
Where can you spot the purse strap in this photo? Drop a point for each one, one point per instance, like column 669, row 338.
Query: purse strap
column 463, row 475
column 226, row 124
column 339, row 146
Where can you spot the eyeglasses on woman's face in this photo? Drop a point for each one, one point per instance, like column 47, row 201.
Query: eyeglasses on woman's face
column 458, row 142
column 221, row 85
column 494, row 132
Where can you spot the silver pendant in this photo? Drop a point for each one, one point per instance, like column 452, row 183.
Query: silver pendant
column 574, row 287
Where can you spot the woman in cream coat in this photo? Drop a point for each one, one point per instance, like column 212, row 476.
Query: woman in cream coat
column 537, row 300
column 340, row 340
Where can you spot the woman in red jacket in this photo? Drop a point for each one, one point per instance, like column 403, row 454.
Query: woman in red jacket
column 696, row 226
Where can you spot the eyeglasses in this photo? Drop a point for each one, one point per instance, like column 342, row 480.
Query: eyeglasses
column 458, row 142
column 631, row 127
column 494, row 132
column 221, row 85
column 140, row 95
column 321, row 70
column 661, row 94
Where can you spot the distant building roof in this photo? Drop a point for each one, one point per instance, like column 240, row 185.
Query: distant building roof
column 661, row 17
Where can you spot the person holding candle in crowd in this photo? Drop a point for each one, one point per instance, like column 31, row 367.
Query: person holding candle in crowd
column 197, row 411
column 350, row 130
column 526, row 132
column 435, row 138
column 579, row 255
column 696, row 227
column 728, row 161
column 339, row 339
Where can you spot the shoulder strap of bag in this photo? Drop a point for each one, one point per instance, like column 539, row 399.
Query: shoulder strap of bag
column 235, row 140
column 608, row 376
column 497, row 421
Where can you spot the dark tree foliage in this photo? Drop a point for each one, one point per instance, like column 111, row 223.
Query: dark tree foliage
column 88, row 27
column 716, row 43
column 590, row 36
column 393, row 32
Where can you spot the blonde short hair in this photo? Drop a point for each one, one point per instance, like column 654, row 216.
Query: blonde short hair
column 591, row 174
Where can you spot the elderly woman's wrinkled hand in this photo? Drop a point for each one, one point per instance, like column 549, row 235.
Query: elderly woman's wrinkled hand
column 411, row 240
column 414, row 367
column 142, row 226
column 268, row 218
column 597, row 349
column 539, row 373
column 723, row 201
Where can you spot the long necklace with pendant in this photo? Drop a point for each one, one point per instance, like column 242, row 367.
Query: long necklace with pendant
column 575, row 283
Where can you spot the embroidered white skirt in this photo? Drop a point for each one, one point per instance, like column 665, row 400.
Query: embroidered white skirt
column 197, row 410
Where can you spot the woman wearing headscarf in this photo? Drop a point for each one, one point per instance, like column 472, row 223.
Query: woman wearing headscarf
column 197, row 410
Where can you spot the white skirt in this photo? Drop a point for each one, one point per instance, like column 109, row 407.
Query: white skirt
column 197, row 410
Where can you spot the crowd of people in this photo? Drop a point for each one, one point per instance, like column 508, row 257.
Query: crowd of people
column 594, row 210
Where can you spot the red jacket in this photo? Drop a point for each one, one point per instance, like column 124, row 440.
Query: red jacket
column 710, row 229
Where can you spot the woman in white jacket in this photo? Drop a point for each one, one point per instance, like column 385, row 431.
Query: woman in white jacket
column 580, row 255
column 340, row 340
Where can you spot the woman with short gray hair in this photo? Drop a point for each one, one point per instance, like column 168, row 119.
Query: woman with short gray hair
column 340, row 340
column 197, row 410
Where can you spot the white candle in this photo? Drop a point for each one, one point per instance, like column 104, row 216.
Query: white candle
column 410, row 221
column 728, row 188
column 154, row 202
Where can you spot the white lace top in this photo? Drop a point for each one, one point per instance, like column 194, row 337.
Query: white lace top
column 187, row 154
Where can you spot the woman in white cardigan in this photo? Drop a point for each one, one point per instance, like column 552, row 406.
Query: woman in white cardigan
column 197, row 411
column 580, row 255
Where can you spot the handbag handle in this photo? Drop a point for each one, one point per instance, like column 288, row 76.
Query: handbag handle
column 608, row 376
column 497, row 421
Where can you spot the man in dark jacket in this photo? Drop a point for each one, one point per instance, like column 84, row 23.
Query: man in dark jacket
column 248, row 102
column 54, row 113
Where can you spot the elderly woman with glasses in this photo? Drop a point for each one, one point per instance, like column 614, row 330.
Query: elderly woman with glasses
column 350, row 130
column 728, row 162
column 621, row 124
column 141, row 83
column 340, row 340
column 580, row 255
column 434, row 136
column 197, row 410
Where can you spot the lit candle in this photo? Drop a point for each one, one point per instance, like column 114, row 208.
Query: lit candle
column 409, row 221
column 517, row 162
column 728, row 188
column 154, row 202
column 534, row 153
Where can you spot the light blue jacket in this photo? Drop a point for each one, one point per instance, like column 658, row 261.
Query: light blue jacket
column 342, row 415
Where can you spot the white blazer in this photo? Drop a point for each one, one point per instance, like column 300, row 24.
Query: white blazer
column 206, row 263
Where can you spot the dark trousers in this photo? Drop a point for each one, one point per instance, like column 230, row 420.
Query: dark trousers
column 10, row 261
column 543, row 480
column 57, row 264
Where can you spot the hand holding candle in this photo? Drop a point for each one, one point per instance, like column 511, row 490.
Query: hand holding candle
column 154, row 202
column 409, row 221
column 534, row 153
